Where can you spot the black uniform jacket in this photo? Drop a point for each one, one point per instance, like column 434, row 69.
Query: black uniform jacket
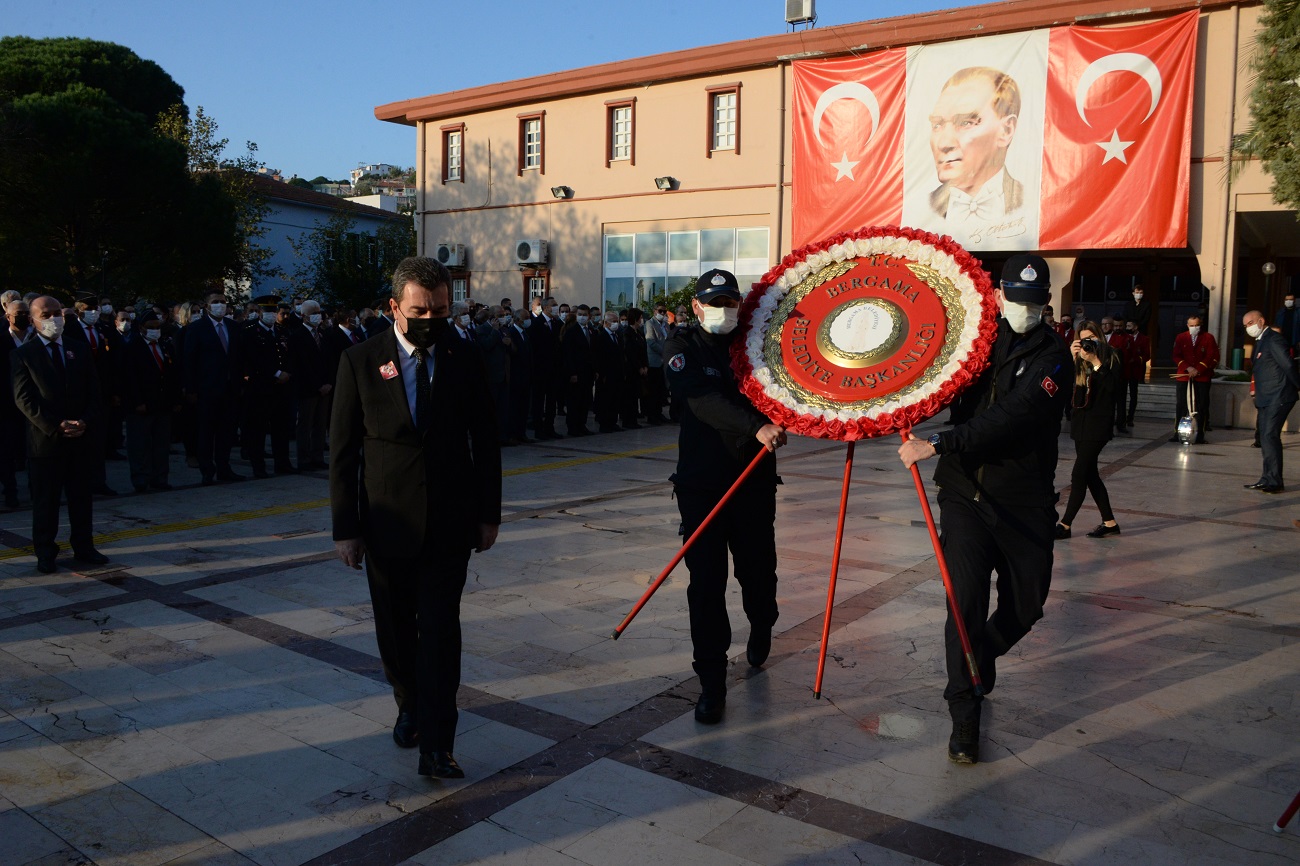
column 47, row 399
column 1002, row 447
column 716, row 440
column 386, row 479
column 1092, row 418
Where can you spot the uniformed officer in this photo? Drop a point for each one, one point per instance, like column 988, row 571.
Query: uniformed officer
column 268, row 399
column 997, row 495
column 721, row 432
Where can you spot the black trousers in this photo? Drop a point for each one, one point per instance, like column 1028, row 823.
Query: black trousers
column 517, row 428
column 416, row 602
column 746, row 527
column 215, row 424
column 52, row 478
column 656, row 395
column 1132, row 398
column 1201, row 392
column 978, row 539
column 609, row 393
column 1121, row 415
column 148, row 447
column 13, row 450
column 267, row 412
column 1086, row 478
column 542, row 404
column 313, row 416
column 577, row 404
column 1269, row 426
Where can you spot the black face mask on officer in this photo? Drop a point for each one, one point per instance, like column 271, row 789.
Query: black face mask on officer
column 423, row 333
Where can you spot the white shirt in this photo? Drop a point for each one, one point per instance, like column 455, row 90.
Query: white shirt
column 406, row 357
column 988, row 203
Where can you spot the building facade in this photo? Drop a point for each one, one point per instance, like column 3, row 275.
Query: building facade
column 641, row 174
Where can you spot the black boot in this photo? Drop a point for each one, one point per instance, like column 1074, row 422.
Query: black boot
column 964, row 744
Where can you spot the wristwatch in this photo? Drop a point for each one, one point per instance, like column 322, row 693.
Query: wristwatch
column 936, row 443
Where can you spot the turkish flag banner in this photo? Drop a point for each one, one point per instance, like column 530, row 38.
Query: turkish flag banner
column 1060, row 138
column 848, row 143
column 1118, row 137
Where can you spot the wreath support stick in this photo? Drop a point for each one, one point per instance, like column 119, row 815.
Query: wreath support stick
column 704, row 524
column 835, row 568
column 953, row 610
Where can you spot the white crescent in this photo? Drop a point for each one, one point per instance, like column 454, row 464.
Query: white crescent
column 1139, row 64
column 846, row 90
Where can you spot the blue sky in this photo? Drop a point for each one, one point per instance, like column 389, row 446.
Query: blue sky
column 302, row 78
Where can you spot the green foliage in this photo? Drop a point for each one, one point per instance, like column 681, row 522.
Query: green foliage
column 299, row 182
column 680, row 298
column 363, row 186
column 1275, row 100
column 319, row 179
column 342, row 267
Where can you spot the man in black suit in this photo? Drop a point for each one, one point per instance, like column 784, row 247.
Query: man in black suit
column 1276, row 384
column 13, row 426
column 545, row 337
column 267, row 389
column 520, row 346
column 381, row 322
column 151, row 390
column 211, row 365
column 579, row 374
column 610, row 363
column 57, row 390
column 310, row 367
column 417, row 401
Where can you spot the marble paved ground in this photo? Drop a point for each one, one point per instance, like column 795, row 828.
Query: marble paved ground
column 214, row 696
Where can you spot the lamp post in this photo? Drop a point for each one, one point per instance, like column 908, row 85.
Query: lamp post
column 1269, row 269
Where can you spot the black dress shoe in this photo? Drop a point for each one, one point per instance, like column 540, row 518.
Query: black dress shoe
column 1272, row 488
column 285, row 469
column 1103, row 530
column 104, row 490
column 229, row 475
column 759, row 646
column 709, row 709
column 90, row 557
column 209, row 480
column 1200, row 440
column 1257, row 485
column 141, row 488
column 1062, row 532
column 1175, row 438
column 161, row 486
column 440, row 765
column 405, row 732
column 964, row 744
column 46, row 565
column 261, row 473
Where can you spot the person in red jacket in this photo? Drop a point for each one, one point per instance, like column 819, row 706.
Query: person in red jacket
column 1197, row 354
column 1118, row 340
column 1135, row 365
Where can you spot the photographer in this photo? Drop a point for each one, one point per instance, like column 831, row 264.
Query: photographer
column 1096, row 389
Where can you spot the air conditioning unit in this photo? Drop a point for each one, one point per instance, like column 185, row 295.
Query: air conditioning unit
column 451, row 255
column 530, row 252
column 800, row 11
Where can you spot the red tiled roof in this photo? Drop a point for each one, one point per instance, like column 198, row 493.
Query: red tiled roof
column 287, row 192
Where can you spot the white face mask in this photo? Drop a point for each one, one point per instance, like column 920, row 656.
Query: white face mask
column 526, row 324
column 313, row 319
column 90, row 317
column 464, row 320
column 297, row 308
column 153, row 335
column 123, row 326
column 503, row 321
column 659, row 317
column 564, row 317
column 1021, row 317
column 51, row 328
column 582, row 320
column 611, row 326
column 1194, row 330
column 217, row 310
column 1254, row 331
column 268, row 318
column 130, row 317
column 719, row 320
column 1137, row 296
column 1289, row 303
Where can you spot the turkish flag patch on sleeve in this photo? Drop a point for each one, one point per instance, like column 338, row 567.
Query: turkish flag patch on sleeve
column 1049, row 386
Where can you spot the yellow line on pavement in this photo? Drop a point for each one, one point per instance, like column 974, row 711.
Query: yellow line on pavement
column 309, row 505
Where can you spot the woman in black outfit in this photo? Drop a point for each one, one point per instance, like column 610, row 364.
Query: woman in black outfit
column 1092, row 420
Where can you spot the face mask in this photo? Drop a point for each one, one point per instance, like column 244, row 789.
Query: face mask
column 297, row 308
column 1194, row 330
column 217, row 310
column 564, row 317
column 1254, row 331
column 268, row 319
column 1021, row 317
column 423, row 333
column 582, row 320
column 611, row 326
column 1289, row 304
column 153, row 335
column 51, row 328
column 130, row 317
column 22, row 321
column 464, row 320
column 123, row 326
column 659, row 317
column 1137, row 296
column 719, row 320
column 503, row 320
column 526, row 324
column 537, row 309
column 313, row 319
column 90, row 317
column 107, row 309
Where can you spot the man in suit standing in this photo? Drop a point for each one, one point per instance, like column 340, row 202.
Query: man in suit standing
column 57, row 390
column 610, row 363
column 1276, row 386
column 1197, row 355
column 417, row 401
column 212, row 347
column 1135, row 364
column 310, row 367
column 545, row 337
column 267, row 388
column 1118, row 339
column 13, row 426
column 579, row 374
column 152, row 392
column 520, row 346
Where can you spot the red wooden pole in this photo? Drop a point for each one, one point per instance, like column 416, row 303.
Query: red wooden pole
column 835, row 569
column 663, row 575
column 1287, row 815
column 947, row 578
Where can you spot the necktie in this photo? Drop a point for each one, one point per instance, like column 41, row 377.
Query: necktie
column 315, row 335
column 90, row 336
column 423, row 392
column 157, row 355
column 221, row 335
column 56, row 356
column 355, row 338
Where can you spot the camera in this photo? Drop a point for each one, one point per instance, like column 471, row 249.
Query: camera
column 1088, row 345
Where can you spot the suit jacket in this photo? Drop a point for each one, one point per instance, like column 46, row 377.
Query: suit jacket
column 1202, row 357
column 545, row 337
column 576, row 348
column 495, row 355
column 265, row 353
column 307, row 361
column 145, row 383
column 521, row 357
column 8, row 408
column 47, row 399
column 448, row 478
column 1276, row 380
column 209, row 369
column 1135, row 360
column 608, row 356
column 336, row 343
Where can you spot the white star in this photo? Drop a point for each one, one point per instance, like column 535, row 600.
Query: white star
column 844, row 168
column 1114, row 148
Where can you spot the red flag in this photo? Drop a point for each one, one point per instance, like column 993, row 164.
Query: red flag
column 847, row 133
column 1117, row 141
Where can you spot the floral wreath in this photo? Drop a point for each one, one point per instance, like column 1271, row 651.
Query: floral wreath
column 947, row 278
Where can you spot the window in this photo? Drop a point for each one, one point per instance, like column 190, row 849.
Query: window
column 532, row 129
column 453, row 153
column 641, row 267
column 724, row 118
column 620, row 131
column 537, row 287
column 460, row 288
